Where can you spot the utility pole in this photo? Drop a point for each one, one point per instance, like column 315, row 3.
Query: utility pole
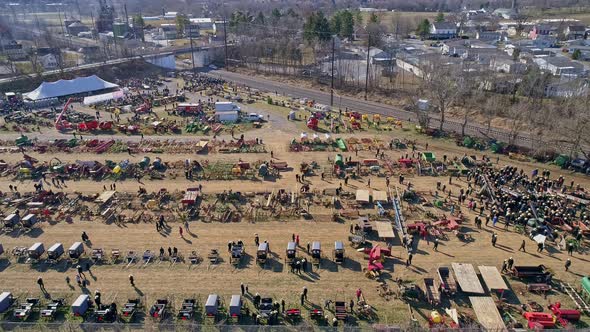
column 190, row 29
column 332, row 82
column 225, row 42
column 367, row 71
column 79, row 11
column 94, row 36
column 126, row 16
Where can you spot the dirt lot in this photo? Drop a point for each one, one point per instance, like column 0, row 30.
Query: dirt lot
column 330, row 281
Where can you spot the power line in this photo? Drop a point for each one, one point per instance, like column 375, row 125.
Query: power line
column 292, row 29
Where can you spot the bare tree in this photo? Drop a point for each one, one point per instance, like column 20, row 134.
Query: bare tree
column 518, row 117
column 574, row 124
column 440, row 85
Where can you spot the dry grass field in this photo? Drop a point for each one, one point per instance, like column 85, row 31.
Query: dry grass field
column 328, row 282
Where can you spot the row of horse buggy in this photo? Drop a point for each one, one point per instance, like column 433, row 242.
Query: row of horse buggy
column 37, row 253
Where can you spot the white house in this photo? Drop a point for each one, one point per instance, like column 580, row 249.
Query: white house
column 168, row 31
column 576, row 31
column 49, row 61
column 205, row 23
column 380, row 57
column 443, row 30
column 170, row 15
column 560, row 66
column 507, row 65
column 490, row 36
column 566, row 89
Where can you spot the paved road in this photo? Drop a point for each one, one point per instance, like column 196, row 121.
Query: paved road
column 110, row 62
column 472, row 129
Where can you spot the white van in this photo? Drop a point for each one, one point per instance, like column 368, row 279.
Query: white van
column 321, row 108
column 254, row 117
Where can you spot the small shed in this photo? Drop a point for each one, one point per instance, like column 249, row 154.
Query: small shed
column 212, row 305
column 235, row 306
column 80, row 306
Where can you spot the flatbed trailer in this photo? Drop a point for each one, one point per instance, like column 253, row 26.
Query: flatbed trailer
column 448, row 285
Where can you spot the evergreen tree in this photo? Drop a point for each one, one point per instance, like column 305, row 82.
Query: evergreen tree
column 181, row 22
column 275, row 16
column 322, row 27
column 374, row 18
column 576, row 55
column 440, row 17
column 260, row 19
column 423, row 28
column 309, row 28
column 336, row 23
column 347, row 24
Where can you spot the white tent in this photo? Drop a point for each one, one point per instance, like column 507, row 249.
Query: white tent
column 90, row 100
column 69, row 87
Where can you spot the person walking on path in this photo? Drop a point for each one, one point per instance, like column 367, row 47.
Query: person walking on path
column 180, row 231
column 305, row 292
column 302, row 298
column 359, row 293
column 522, row 246
column 132, row 280
column 41, row 285
column 504, row 265
column 409, row 260
column 510, row 263
column 351, row 305
column 242, row 288
column 80, row 271
column 435, row 247
column 256, row 240
column 568, row 263
column 494, row 239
